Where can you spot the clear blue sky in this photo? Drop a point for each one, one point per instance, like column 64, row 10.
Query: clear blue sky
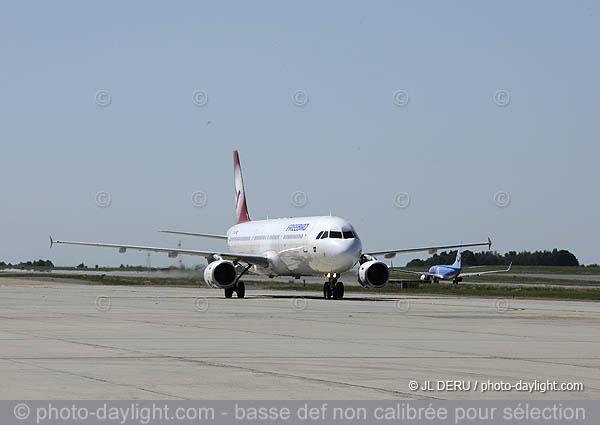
column 350, row 149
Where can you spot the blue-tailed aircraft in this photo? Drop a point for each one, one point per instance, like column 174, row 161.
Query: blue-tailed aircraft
column 452, row 272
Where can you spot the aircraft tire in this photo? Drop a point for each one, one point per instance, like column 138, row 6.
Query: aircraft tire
column 228, row 292
column 240, row 289
column 326, row 291
column 338, row 291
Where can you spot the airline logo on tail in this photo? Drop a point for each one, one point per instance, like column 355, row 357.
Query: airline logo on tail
column 241, row 209
column 457, row 264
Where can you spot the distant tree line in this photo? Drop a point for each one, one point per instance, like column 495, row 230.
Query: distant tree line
column 38, row 263
column 49, row 264
column 492, row 258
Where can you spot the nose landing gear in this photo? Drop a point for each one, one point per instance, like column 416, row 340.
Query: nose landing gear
column 333, row 289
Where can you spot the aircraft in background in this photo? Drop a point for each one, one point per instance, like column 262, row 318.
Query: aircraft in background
column 303, row 246
column 452, row 272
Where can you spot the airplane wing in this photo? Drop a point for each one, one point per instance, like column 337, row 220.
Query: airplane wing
column 429, row 275
column 391, row 253
column 203, row 235
column 414, row 272
column 488, row 272
column 174, row 252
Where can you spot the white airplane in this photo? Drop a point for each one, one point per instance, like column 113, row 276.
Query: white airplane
column 303, row 246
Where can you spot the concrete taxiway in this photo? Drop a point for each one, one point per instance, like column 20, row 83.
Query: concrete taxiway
column 82, row 341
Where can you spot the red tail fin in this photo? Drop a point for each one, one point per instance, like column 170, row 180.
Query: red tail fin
column 241, row 209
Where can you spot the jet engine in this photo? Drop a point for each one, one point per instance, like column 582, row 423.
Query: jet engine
column 373, row 274
column 220, row 274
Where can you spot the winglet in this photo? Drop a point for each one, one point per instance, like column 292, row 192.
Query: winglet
column 489, row 243
column 509, row 266
column 51, row 241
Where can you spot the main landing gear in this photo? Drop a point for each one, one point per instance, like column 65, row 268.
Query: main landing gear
column 457, row 280
column 333, row 289
column 239, row 289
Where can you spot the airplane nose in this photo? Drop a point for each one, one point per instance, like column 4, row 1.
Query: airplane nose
column 343, row 253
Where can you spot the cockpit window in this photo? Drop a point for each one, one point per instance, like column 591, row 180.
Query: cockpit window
column 319, row 235
column 325, row 235
column 348, row 234
column 336, row 235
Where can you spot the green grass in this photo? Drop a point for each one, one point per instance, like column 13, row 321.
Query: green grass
column 99, row 269
column 436, row 289
column 526, row 269
column 510, row 278
column 523, row 279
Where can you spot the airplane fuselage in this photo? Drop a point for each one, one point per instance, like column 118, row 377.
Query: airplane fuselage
column 444, row 272
column 299, row 246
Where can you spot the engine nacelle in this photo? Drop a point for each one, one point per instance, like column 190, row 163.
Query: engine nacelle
column 220, row 274
column 424, row 278
column 373, row 274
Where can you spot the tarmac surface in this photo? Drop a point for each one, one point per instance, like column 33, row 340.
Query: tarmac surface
column 82, row 341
